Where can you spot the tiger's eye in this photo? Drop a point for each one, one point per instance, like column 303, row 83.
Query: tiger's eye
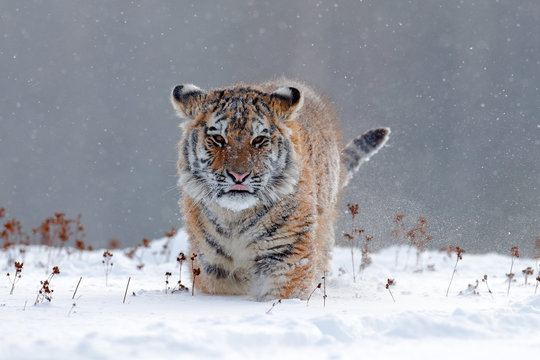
column 258, row 141
column 219, row 140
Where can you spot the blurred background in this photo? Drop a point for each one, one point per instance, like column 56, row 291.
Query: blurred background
column 86, row 125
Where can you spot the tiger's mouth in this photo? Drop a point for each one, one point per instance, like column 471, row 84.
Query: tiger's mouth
column 239, row 188
column 238, row 197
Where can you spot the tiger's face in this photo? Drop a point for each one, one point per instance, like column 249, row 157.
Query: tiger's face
column 236, row 149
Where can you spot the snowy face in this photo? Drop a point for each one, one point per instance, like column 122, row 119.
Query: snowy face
column 237, row 156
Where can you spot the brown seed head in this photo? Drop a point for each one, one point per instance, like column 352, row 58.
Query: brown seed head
column 514, row 250
column 114, row 244
column 460, row 251
column 390, row 282
column 353, row 208
column 172, row 233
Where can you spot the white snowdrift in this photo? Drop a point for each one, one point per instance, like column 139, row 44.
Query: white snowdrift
column 360, row 319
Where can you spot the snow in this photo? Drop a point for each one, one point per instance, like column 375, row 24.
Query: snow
column 360, row 319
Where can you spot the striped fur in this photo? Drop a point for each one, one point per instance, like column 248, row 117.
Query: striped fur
column 361, row 149
column 260, row 168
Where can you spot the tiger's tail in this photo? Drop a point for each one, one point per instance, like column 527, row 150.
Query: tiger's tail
column 361, row 149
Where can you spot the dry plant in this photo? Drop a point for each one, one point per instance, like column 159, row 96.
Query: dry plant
column 323, row 284
column 76, row 288
column 418, row 237
column 81, row 246
column 16, row 276
column 459, row 251
column 133, row 253
column 167, row 275
column 389, row 283
column 472, row 289
column 537, row 282
column 309, row 297
column 527, row 272
column 324, row 289
column 166, row 249
column 125, row 293
column 485, row 280
column 179, row 286
column 273, row 305
column 113, row 244
column 398, row 232
column 353, row 209
column 14, row 239
column 366, row 251
column 107, row 265
column 537, row 253
column 195, row 271
column 71, row 309
column 449, row 250
column 45, row 292
column 56, row 232
column 180, row 260
column 514, row 251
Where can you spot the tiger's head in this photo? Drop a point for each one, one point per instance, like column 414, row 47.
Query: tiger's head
column 238, row 145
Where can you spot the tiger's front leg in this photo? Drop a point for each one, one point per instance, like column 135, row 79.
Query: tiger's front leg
column 285, row 271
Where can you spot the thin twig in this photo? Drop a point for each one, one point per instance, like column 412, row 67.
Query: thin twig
column 129, row 279
column 514, row 251
column 459, row 252
column 196, row 272
column 354, row 211
column 273, row 304
column 390, row 282
column 72, row 307
column 76, row 288
column 390, row 291
column 324, row 289
column 309, row 297
column 485, row 279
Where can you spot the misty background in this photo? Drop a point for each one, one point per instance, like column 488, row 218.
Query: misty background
column 86, row 125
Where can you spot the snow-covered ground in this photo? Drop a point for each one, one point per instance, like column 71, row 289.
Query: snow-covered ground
column 360, row 319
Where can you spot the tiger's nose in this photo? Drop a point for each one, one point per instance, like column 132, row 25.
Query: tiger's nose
column 238, row 178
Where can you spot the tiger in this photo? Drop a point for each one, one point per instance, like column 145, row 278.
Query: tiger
column 259, row 168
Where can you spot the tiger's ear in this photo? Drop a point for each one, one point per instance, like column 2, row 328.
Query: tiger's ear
column 188, row 100
column 285, row 102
